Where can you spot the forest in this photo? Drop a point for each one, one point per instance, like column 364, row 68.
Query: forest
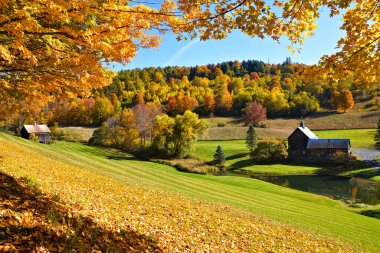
column 224, row 89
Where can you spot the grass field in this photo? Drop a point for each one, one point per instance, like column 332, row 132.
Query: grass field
column 153, row 199
column 318, row 121
column 238, row 160
column 360, row 138
column 237, row 157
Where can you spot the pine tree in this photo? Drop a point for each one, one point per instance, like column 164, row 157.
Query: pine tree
column 377, row 136
column 251, row 139
column 219, row 158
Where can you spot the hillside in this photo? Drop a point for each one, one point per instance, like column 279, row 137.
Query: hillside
column 234, row 129
column 179, row 211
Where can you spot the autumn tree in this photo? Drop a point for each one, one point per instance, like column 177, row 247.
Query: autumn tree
column 102, row 109
column 181, row 103
column 302, row 104
column 62, row 47
column 254, row 113
column 176, row 137
column 187, row 128
column 208, row 103
column 269, row 150
column 342, row 100
column 144, row 115
column 118, row 131
column 225, row 102
column 163, row 142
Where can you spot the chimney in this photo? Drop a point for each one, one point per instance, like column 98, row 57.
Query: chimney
column 302, row 124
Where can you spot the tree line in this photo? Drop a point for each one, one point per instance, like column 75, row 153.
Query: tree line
column 225, row 89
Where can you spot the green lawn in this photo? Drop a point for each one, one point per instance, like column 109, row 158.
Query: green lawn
column 360, row 138
column 311, row 212
column 237, row 157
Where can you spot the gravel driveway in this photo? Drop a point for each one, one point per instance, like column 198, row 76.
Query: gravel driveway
column 369, row 156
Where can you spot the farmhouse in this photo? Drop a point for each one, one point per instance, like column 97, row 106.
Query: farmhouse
column 41, row 131
column 304, row 144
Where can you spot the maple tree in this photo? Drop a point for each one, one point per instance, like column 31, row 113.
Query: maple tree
column 342, row 100
column 254, row 113
column 59, row 48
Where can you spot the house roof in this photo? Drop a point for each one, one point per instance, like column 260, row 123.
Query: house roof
column 37, row 129
column 328, row 143
column 305, row 131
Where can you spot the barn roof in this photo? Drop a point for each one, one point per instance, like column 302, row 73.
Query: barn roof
column 37, row 129
column 328, row 144
column 306, row 131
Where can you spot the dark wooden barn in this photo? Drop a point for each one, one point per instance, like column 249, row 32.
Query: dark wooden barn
column 41, row 131
column 328, row 147
column 297, row 141
column 303, row 144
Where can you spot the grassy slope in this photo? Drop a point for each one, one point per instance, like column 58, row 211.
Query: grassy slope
column 309, row 211
column 281, row 128
column 360, row 138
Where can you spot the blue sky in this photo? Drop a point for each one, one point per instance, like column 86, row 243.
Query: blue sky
column 238, row 46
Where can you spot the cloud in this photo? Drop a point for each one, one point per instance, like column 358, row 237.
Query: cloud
column 173, row 59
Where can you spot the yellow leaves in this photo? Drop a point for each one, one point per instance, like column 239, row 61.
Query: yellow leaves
column 98, row 213
column 290, row 48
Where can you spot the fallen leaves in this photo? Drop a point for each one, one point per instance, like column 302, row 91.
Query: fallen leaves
column 82, row 211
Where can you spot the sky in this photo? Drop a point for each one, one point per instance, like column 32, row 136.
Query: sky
column 238, row 46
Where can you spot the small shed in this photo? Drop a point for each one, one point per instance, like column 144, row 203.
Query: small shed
column 298, row 140
column 328, row 147
column 41, row 131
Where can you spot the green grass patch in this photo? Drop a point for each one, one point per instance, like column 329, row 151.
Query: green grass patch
column 360, row 138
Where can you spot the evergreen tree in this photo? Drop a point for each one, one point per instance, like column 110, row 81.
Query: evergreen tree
column 251, row 139
column 377, row 136
column 219, row 158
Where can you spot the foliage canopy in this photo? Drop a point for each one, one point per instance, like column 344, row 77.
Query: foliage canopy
column 60, row 47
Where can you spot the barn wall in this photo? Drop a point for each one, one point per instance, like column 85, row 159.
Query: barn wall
column 24, row 134
column 43, row 138
column 297, row 144
column 326, row 152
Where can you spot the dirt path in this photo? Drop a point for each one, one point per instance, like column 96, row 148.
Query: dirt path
column 369, row 156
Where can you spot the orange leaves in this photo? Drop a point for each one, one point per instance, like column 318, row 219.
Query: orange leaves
column 58, row 46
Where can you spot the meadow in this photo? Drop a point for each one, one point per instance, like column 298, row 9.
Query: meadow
column 183, row 211
column 281, row 128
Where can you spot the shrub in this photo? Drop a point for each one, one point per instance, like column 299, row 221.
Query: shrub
column 341, row 157
column 221, row 124
column 269, row 150
column 33, row 137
